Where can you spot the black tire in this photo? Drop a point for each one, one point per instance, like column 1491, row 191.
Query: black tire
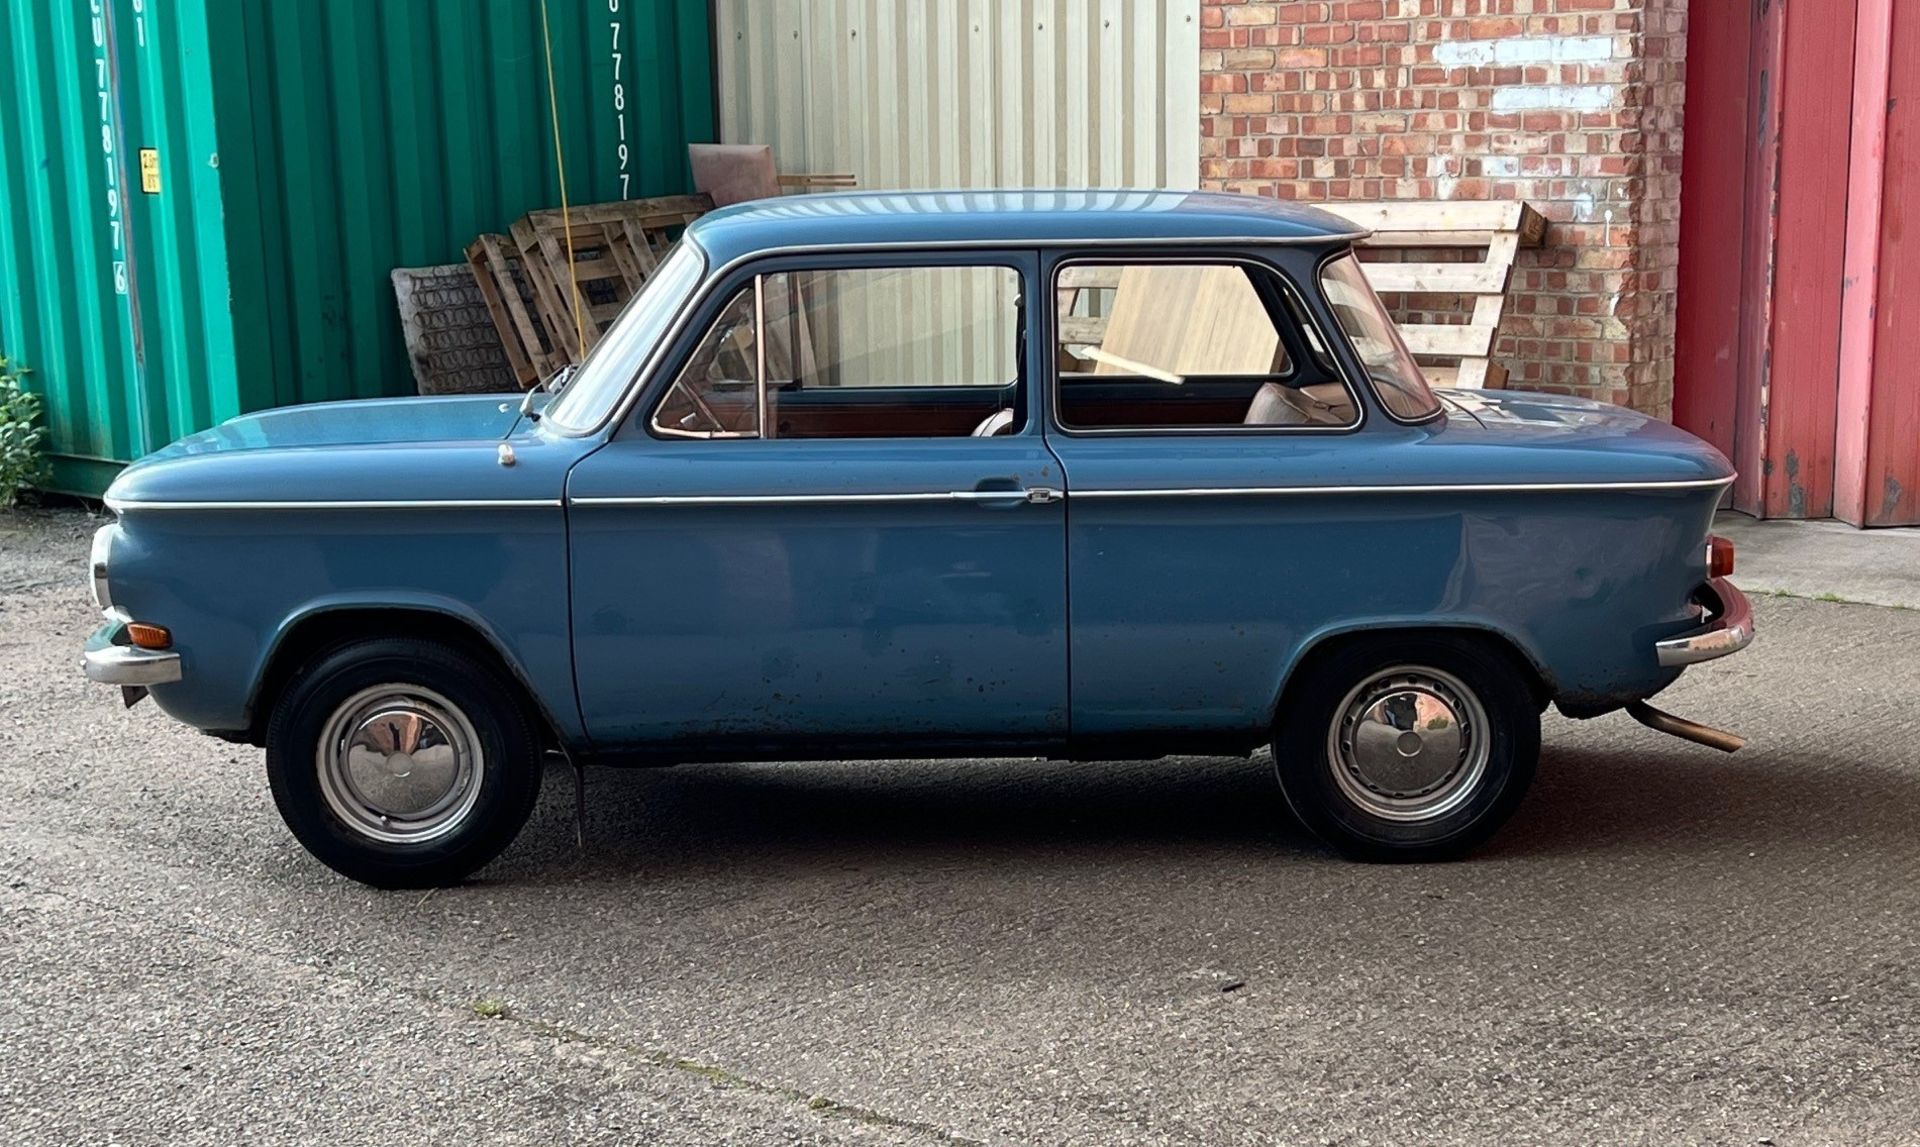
column 500, row 786
column 1464, row 809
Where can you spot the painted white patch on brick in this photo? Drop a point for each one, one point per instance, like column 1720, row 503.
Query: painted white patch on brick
column 1523, row 50
column 1500, row 166
column 1464, row 53
column 1576, row 97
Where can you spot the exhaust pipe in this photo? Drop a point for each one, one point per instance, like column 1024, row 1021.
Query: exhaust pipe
column 1684, row 729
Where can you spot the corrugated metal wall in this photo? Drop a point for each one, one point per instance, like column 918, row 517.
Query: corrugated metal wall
column 305, row 149
column 967, row 93
column 111, row 293
column 964, row 94
column 362, row 135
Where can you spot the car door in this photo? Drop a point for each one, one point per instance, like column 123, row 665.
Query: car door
column 831, row 524
column 1191, row 386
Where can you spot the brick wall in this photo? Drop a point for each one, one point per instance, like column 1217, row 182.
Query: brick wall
column 1573, row 105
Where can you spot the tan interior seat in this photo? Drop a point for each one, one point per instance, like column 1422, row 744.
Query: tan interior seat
column 1274, row 405
column 1324, row 404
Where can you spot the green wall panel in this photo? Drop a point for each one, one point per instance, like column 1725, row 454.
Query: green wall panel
column 307, row 147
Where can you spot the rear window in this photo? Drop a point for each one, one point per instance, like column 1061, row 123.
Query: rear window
column 1185, row 346
column 1391, row 371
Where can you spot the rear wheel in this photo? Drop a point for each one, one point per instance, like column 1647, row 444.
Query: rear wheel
column 402, row 763
column 1408, row 749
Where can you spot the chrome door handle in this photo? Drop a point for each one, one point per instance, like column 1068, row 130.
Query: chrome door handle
column 1031, row 495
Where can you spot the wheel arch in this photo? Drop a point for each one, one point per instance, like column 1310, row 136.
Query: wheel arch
column 1330, row 641
column 324, row 625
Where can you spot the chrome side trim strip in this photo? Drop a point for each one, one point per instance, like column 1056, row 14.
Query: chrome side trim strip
column 1462, row 488
column 1046, row 494
column 810, row 499
column 119, row 506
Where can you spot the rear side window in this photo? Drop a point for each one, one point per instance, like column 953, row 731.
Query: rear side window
column 1189, row 345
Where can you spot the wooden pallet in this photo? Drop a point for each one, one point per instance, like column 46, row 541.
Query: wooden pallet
column 530, row 285
column 1450, row 353
column 504, row 285
column 615, row 249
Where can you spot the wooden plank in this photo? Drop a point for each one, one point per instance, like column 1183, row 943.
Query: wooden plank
column 1432, row 214
column 1122, row 365
column 1434, row 240
column 1439, row 278
column 816, row 182
column 675, row 208
column 1089, row 278
column 549, row 304
column 1441, row 217
column 1190, row 319
column 506, row 285
column 1471, row 374
column 483, row 278
column 1082, row 330
column 1461, row 339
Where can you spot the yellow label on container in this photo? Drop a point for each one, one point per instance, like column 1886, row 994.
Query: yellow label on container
column 150, row 170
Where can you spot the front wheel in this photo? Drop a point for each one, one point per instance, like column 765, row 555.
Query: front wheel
column 1408, row 749
column 402, row 763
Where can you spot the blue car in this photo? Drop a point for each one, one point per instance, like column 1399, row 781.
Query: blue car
column 1093, row 475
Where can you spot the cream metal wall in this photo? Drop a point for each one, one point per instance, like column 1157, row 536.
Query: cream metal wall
column 964, row 94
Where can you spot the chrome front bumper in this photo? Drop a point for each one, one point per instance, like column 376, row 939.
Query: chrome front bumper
column 111, row 659
column 1729, row 631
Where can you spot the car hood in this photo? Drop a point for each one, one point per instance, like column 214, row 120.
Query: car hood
column 381, row 451
column 368, row 422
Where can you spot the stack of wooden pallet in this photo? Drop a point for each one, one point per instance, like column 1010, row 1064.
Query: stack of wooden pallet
column 550, row 306
column 1449, row 302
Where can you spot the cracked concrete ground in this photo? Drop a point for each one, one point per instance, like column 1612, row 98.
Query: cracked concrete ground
column 1667, row 945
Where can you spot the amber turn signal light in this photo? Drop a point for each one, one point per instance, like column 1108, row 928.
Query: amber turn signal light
column 1719, row 556
column 149, row 636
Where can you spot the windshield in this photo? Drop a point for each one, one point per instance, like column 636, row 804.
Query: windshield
column 1395, row 377
column 594, row 389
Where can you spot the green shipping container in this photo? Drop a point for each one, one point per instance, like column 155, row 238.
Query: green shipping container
column 201, row 200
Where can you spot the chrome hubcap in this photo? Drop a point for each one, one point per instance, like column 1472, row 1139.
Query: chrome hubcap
column 1409, row 744
column 399, row 764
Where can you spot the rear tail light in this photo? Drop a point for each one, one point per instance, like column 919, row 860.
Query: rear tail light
column 1719, row 556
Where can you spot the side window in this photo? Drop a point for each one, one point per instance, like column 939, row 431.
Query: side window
column 888, row 352
column 1189, row 346
column 714, row 395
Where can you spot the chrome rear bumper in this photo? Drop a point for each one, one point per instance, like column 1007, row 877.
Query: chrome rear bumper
column 1729, row 631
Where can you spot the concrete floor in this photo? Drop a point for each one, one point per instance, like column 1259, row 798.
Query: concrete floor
column 1825, row 560
column 1666, row 945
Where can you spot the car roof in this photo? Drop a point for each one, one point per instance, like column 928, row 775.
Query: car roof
column 1009, row 218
